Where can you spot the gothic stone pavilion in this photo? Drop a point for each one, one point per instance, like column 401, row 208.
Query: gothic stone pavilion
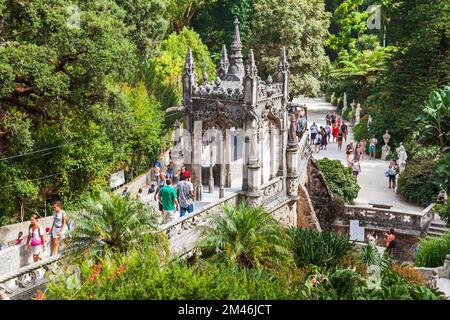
column 248, row 118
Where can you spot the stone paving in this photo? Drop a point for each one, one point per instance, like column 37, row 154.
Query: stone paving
column 374, row 185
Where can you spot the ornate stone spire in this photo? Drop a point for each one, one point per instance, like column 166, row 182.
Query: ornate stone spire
column 251, row 70
column 189, row 76
column 236, row 69
column 224, row 63
column 204, row 73
column 189, row 66
column 283, row 64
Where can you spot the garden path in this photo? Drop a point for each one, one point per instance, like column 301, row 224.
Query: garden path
column 374, row 185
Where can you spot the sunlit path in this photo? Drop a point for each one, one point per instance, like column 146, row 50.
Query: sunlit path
column 374, row 185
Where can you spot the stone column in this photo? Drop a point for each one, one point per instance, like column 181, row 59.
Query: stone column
column 211, row 168
column 177, row 150
column 272, row 151
column 197, row 160
column 222, row 150
column 254, row 168
column 292, row 171
column 261, row 150
column 227, row 150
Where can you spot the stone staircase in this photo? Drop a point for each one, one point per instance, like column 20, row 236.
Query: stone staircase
column 437, row 228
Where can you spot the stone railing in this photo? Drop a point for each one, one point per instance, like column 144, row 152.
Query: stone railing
column 184, row 233
column 412, row 223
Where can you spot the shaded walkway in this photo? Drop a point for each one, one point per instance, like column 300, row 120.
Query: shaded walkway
column 374, row 185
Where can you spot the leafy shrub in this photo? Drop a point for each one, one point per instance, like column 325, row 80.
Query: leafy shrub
column 249, row 236
column 411, row 275
column 443, row 210
column 419, row 182
column 432, row 251
column 418, row 152
column 392, row 155
column 339, row 179
column 370, row 256
column 360, row 131
column 142, row 275
column 319, row 248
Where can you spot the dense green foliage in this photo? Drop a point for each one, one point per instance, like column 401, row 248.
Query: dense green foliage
column 146, row 272
column 339, row 179
column 432, row 251
column 434, row 121
column 113, row 223
column 319, row 248
column 419, row 182
column 250, row 237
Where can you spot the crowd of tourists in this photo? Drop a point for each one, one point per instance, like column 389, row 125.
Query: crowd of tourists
column 173, row 191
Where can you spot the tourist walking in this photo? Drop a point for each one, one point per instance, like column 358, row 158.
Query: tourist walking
column 344, row 129
column 139, row 194
column 327, row 118
column 340, row 138
column 58, row 227
column 357, row 152
column 349, row 154
column 335, row 131
column 338, row 122
column 19, row 239
column 125, row 192
column 318, row 143
column 372, row 239
column 363, row 148
column 356, row 168
column 185, row 192
column 390, row 241
column 168, row 198
column 36, row 238
column 160, row 185
column 314, row 130
column 324, row 139
column 372, row 147
column 169, row 172
column 391, row 173
column 328, row 130
column 333, row 118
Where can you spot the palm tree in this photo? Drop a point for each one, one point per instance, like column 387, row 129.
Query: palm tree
column 248, row 236
column 114, row 223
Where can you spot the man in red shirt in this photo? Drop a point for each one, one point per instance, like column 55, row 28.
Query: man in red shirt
column 184, row 172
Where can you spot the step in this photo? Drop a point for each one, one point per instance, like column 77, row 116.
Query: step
column 438, row 229
column 434, row 233
column 438, row 223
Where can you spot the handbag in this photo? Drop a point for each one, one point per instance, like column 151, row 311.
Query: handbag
column 36, row 242
column 386, row 173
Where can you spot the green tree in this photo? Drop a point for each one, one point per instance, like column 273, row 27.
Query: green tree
column 248, row 236
column 112, row 222
column 163, row 72
column 299, row 25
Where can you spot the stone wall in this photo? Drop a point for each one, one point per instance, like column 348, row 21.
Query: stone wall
column 326, row 207
column 306, row 216
column 9, row 233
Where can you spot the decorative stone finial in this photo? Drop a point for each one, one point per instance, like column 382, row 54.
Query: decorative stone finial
column 283, row 64
column 189, row 62
column 236, row 70
column 251, row 70
column 204, row 74
column 224, row 63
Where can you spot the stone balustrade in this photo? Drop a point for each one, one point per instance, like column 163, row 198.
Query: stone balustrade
column 411, row 223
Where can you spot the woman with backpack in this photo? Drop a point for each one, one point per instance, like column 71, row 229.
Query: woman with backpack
column 36, row 238
column 391, row 173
